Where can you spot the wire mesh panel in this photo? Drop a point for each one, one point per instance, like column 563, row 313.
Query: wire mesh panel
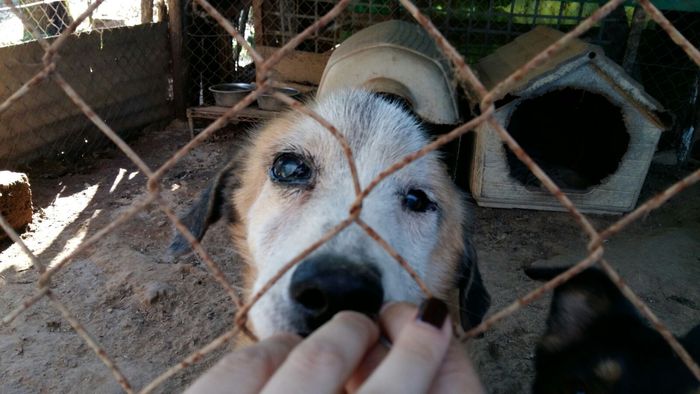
column 119, row 64
column 668, row 76
column 477, row 28
column 49, row 18
column 213, row 55
column 50, row 72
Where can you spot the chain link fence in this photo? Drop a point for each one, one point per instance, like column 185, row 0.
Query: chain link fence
column 213, row 56
column 476, row 28
column 50, row 72
column 115, row 60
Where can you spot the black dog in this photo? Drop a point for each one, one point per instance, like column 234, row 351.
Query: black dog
column 596, row 342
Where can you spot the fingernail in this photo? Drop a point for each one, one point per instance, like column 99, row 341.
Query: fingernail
column 433, row 311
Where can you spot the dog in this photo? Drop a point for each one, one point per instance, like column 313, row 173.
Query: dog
column 291, row 183
column 596, row 342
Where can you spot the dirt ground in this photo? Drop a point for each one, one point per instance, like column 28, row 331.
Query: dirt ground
column 149, row 314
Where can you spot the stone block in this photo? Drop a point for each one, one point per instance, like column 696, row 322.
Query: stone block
column 15, row 200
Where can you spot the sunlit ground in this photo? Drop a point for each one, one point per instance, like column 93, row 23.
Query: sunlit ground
column 47, row 228
column 48, row 224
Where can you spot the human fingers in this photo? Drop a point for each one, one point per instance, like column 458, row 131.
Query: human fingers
column 420, row 345
column 324, row 361
column 455, row 373
column 248, row 369
column 369, row 363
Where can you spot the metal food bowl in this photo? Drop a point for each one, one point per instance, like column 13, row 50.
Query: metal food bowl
column 229, row 94
column 268, row 102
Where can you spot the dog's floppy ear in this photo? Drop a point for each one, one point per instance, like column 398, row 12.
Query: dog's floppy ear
column 474, row 300
column 211, row 205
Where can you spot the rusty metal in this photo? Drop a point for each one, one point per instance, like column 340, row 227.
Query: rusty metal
column 190, row 360
column 393, row 253
column 293, row 43
column 410, row 158
column 463, row 75
column 544, row 178
column 101, row 233
column 41, row 75
column 27, row 86
column 241, row 315
column 28, row 25
column 50, row 52
column 650, row 205
column 106, row 130
column 44, row 279
column 672, row 32
column 91, row 342
column 231, row 30
column 464, row 72
column 5, row 226
column 214, row 269
column 655, row 322
column 203, row 135
column 535, row 294
column 341, row 138
column 26, row 304
column 586, row 24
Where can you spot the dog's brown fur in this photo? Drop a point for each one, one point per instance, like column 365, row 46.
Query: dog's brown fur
column 452, row 270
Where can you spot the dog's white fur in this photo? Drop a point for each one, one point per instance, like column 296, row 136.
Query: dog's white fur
column 273, row 223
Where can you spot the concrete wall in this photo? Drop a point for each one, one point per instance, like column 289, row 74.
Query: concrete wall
column 121, row 73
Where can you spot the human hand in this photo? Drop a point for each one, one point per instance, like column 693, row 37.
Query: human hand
column 346, row 353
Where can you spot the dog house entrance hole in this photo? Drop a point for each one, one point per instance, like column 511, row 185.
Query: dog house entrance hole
column 577, row 137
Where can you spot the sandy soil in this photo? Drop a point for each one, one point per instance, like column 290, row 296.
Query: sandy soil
column 149, row 315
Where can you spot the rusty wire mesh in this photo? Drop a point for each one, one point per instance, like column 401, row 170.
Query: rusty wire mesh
column 51, row 71
column 126, row 82
column 212, row 54
column 475, row 28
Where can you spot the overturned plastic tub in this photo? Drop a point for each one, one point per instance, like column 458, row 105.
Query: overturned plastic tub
column 398, row 59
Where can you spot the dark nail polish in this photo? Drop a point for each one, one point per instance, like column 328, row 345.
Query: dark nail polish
column 433, row 312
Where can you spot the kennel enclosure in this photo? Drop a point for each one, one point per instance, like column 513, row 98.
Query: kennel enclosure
column 591, row 128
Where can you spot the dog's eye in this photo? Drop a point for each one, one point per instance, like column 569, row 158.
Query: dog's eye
column 417, row 201
column 290, row 168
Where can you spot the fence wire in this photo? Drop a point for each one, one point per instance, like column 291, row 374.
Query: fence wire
column 124, row 78
column 478, row 27
column 51, row 72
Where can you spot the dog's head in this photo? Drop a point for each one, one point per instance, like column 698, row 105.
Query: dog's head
column 596, row 343
column 292, row 184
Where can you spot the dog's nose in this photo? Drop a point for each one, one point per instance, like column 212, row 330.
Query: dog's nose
column 325, row 285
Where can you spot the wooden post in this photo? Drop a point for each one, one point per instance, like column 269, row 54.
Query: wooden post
column 146, row 11
column 258, row 22
column 162, row 13
column 639, row 19
column 689, row 134
column 179, row 64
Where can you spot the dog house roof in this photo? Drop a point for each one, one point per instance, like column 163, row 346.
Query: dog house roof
column 507, row 59
column 399, row 58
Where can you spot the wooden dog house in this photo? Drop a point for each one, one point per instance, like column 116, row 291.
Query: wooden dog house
column 590, row 127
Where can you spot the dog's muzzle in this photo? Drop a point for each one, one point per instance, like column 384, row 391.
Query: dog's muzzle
column 324, row 285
